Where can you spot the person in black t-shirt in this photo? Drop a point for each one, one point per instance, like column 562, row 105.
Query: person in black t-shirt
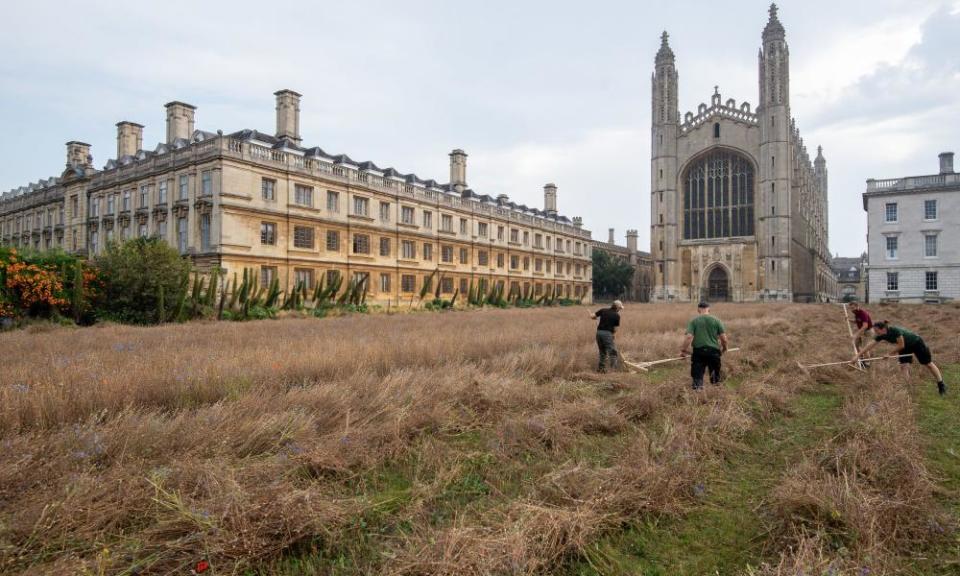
column 609, row 321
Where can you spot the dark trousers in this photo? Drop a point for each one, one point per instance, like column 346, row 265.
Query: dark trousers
column 703, row 359
column 607, row 350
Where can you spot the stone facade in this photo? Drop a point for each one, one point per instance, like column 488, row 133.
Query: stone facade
column 641, row 285
column 913, row 236
column 738, row 209
column 264, row 202
column 851, row 276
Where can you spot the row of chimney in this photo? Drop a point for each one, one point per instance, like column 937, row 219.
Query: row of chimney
column 180, row 122
column 458, row 180
column 180, row 125
column 631, row 239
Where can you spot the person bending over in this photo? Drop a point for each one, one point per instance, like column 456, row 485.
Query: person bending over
column 909, row 346
column 609, row 321
column 864, row 324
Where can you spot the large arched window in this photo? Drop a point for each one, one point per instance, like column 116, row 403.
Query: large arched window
column 718, row 196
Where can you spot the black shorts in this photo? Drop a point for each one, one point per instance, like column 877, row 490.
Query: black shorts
column 919, row 350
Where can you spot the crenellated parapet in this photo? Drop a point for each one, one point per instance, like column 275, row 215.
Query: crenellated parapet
column 727, row 110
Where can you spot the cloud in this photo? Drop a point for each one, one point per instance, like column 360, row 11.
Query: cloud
column 589, row 173
column 926, row 78
column 534, row 91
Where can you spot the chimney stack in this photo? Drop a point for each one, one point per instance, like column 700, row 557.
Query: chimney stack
column 612, row 240
column 179, row 120
column 288, row 115
column 78, row 154
column 458, row 170
column 632, row 241
column 946, row 163
column 577, row 222
column 129, row 138
column 550, row 199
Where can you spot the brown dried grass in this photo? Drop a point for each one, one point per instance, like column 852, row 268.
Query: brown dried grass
column 242, row 443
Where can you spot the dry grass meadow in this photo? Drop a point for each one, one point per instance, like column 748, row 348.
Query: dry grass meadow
column 474, row 443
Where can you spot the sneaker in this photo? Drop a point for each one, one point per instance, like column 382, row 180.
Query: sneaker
column 942, row 388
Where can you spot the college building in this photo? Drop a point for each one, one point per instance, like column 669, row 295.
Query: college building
column 738, row 206
column 913, row 236
column 266, row 202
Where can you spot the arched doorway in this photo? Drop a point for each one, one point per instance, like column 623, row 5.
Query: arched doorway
column 718, row 285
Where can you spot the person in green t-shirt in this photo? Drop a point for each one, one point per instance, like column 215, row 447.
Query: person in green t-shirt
column 707, row 336
column 909, row 345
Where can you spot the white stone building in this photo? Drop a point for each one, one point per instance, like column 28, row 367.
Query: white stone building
column 913, row 236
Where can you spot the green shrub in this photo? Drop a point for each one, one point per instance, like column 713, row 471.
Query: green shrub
column 260, row 313
column 140, row 280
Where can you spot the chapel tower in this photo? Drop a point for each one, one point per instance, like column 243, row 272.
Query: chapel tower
column 663, row 174
column 774, row 201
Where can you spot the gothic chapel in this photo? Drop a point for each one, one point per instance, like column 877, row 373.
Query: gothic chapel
column 738, row 210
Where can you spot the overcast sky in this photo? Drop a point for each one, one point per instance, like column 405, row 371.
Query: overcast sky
column 534, row 91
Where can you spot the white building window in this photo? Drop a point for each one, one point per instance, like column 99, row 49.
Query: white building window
column 267, row 274
column 408, row 250
column 361, row 244
column 333, row 202
column 268, row 233
column 482, row 229
column 361, row 206
column 205, row 232
column 126, row 200
column 930, row 245
column 384, row 211
column 303, row 195
column 144, row 196
column 206, row 183
column 931, row 281
column 893, row 281
column 892, row 245
column 182, row 235
column 427, row 219
column 303, row 277
column 446, row 223
column 184, row 193
column 406, row 215
column 268, row 189
column 162, row 192
column 385, row 283
column 303, row 237
column 891, row 212
column 929, row 209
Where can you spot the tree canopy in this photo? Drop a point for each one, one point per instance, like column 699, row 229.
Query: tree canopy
column 611, row 276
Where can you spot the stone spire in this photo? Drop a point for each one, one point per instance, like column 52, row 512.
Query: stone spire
column 820, row 161
column 665, row 54
column 774, row 29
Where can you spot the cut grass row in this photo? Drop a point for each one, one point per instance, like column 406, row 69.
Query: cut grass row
column 724, row 532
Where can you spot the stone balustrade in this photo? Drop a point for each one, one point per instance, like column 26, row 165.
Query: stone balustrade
column 913, row 183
